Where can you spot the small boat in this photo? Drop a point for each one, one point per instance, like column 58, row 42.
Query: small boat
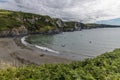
column 90, row 41
column 63, row 45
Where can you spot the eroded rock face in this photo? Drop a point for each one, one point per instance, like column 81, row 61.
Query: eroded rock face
column 32, row 24
column 4, row 33
column 77, row 26
column 47, row 20
column 60, row 23
column 19, row 31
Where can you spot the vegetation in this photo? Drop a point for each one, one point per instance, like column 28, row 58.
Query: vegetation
column 103, row 67
column 93, row 25
column 7, row 21
column 33, row 22
column 41, row 24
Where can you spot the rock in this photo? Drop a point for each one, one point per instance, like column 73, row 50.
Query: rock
column 14, row 32
column 47, row 20
column 32, row 21
column 77, row 26
column 36, row 18
column 60, row 23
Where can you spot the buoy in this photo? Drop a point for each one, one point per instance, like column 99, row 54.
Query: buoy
column 63, row 45
column 90, row 41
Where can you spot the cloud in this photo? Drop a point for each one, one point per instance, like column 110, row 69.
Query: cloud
column 3, row 1
column 78, row 10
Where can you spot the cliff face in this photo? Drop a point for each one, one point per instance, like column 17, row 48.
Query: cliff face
column 73, row 26
column 18, row 23
column 40, row 24
column 19, row 31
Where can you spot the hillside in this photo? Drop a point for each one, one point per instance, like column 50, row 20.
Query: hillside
column 14, row 23
column 103, row 67
column 22, row 23
column 94, row 25
column 19, row 23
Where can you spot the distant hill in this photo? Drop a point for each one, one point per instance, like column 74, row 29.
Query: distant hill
column 94, row 25
column 14, row 23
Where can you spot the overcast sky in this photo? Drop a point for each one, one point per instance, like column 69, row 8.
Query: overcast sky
column 78, row 10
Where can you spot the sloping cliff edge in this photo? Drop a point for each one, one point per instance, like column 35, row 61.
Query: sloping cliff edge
column 14, row 23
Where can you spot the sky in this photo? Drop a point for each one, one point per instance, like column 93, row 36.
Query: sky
column 110, row 22
column 89, row 11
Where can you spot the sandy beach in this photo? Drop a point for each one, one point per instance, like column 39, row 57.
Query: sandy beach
column 12, row 51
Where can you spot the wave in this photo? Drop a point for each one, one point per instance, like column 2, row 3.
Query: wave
column 23, row 41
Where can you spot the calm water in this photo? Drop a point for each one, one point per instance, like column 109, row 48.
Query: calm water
column 90, row 42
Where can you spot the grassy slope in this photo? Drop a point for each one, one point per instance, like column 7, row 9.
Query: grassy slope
column 11, row 19
column 103, row 67
column 7, row 21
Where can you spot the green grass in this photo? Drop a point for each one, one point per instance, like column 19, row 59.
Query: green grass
column 7, row 21
column 5, row 12
column 103, row 67
column 12, row 19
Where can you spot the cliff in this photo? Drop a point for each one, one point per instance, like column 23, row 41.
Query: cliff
column 16, row 31
column 14, row 23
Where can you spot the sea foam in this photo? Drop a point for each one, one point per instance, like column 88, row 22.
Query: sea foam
column 23, row 40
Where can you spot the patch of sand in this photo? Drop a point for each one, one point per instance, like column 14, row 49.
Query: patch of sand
column 11, row 50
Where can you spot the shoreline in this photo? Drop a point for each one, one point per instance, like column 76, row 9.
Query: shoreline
column 12, row 51
column 24, row 42
column 18, row 52
column 48, row 51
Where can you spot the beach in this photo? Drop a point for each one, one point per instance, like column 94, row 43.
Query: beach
column 14, row 52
